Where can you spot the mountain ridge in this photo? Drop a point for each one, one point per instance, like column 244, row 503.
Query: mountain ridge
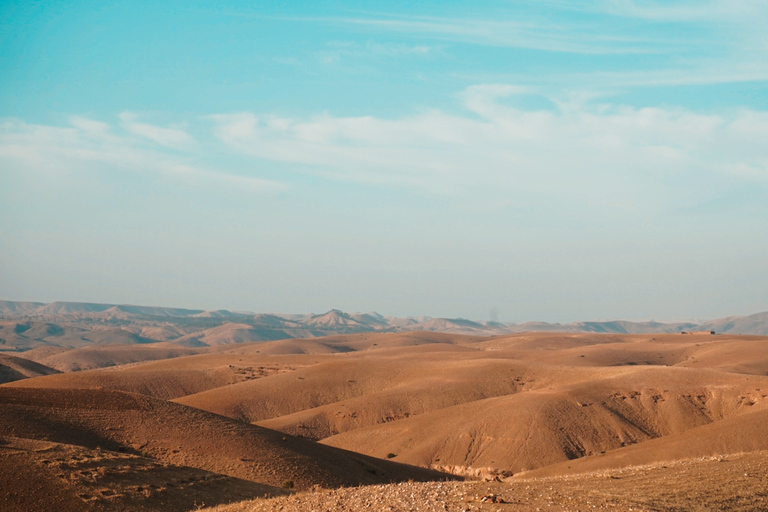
column 27, row 326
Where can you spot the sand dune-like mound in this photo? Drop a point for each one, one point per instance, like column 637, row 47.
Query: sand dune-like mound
column 343, row 343
column 411, row 374
column 737, row 354
column 532, row 429
column 185, row 436
column 102, row 356
column 229, row 333
column 16, row 368
column 735, row 435
column 156, row 384
column 167, row 379
column 742, row 354
column 348, row 376
column 160, row 332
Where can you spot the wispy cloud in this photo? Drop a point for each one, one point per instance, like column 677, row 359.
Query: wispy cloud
column 683, row 41
column 169, row 137
column 611, row 154
column 90, row 145
column 337, row 50
column 717, row 11
column 616, row 156
column 538, row 35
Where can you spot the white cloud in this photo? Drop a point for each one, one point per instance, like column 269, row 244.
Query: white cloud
column 169, row 137
column 601, row 152
column 89, row 145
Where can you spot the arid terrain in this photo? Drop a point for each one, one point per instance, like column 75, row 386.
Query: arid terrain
column 146, row 412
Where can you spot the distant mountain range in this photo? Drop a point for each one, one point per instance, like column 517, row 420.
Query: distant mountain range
column 30, row 325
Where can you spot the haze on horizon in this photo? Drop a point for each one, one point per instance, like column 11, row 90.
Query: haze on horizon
column 552, row 160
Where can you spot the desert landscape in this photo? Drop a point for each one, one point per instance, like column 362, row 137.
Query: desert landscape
column 384, row 256
column 128, row 408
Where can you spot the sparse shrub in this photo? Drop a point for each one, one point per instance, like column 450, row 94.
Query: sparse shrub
column 288, row 484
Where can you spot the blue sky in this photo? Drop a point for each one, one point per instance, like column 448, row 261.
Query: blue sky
column 548, row 160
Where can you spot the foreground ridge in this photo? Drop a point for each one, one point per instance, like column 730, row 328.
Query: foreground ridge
column 688, row 485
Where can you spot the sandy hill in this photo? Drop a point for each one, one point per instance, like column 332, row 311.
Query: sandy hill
column 413, row 376
column 102, row 356
column 169, row 378
column 230, row 333
column 177, row 371
column 545, row 426
column 744, row 433
column 183, row 436
column 16, row 368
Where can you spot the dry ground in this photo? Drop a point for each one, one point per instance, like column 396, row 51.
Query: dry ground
column 735, row 482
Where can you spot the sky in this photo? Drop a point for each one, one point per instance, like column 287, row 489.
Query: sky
column 522, row 159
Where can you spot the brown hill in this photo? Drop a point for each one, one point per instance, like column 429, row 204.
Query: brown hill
column 102, row 356
column 166, row 373
column 734, row 435
column 338, row 378
column 548, row 425
column 16, row 368
column 230, row 333
column 367, row 388
column 180, row 435
column 167, row 378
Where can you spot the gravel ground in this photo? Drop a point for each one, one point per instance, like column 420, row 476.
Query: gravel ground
column 733, row 483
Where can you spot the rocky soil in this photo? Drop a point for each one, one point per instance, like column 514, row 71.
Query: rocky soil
column 734, row 483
